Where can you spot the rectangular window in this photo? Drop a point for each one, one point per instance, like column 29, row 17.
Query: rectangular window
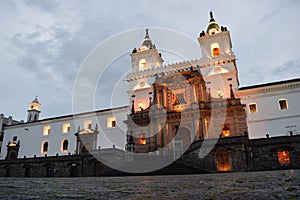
column 142, row 139
column 46, row 130
column 111, row 122
column 87, row 124
column 66, row 128
column 283, row 104
column 283, row 157
column 252, row 108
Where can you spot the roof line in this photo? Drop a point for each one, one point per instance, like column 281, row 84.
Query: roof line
column 70, row 115
column 269, row 84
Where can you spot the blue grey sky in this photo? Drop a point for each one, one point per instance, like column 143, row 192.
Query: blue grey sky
column 43, row 43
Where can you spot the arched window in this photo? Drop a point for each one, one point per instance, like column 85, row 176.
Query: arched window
column 215, row 49
column 45, row 147
column 65, row 145
column 142, row 64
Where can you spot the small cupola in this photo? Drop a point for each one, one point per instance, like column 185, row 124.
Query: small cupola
column 34, row 110
column 213, row 26
column 35, row 105
column 147, row 43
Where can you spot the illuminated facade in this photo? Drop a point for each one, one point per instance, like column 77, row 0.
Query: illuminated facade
column 185, row 93
column 61, row 136
column 176, row 100
column 272, row 108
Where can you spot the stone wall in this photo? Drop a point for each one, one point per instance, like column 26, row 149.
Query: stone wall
column 58, row 166
column 264, row 152
column 242, row 155
column 236, row 147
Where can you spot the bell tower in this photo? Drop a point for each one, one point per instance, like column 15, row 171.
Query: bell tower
column 220, row 68
column 146, row 57
column 34, row 111
column 144, row 62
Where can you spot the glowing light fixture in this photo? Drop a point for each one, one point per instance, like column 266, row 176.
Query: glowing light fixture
column 141, row 105
column 220, row 93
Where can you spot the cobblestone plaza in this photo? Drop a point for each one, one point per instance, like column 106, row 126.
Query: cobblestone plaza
column 245, row 185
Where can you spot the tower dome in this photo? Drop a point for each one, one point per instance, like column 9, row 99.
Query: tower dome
column 35, row 100
column 213, row 27
column 147, row 43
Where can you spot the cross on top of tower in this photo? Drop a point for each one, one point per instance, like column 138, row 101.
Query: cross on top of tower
column 147, row 34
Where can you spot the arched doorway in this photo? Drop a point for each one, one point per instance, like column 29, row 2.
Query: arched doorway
column 223, row 162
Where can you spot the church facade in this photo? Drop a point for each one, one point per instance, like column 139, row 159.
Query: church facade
column 173, row 109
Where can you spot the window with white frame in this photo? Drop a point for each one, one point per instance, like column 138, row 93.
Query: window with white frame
column 66, row 128
column 88, row 124
column 46, row 130
column 283, row 104
column 252, row 107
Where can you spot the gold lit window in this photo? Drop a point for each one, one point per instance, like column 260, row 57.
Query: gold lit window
column 283, row 104
column 46, row 130
column 226, row 130
column 216, row 51
column 45, row 147
column 252, row 108
column 66, row 128
column 142, row 64
column 142, row 138
column 65, row 145
column 283, row 157
column 87, row 124
column 111, row 122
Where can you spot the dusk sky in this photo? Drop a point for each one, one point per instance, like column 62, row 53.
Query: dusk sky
column 44, row 43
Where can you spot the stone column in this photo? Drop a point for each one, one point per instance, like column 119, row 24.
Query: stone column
column 165, row 97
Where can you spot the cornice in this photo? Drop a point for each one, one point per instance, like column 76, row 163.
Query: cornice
column 268, row 89
column 182, row 66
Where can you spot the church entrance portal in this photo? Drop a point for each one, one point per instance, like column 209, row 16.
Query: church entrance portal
column 223, row 162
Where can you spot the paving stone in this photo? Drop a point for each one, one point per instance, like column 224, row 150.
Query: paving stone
column 267, row 185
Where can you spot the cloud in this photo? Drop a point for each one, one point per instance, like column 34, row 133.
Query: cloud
column 289, row 69
column 45, row 5
column 46, row 41
column 269, row 16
